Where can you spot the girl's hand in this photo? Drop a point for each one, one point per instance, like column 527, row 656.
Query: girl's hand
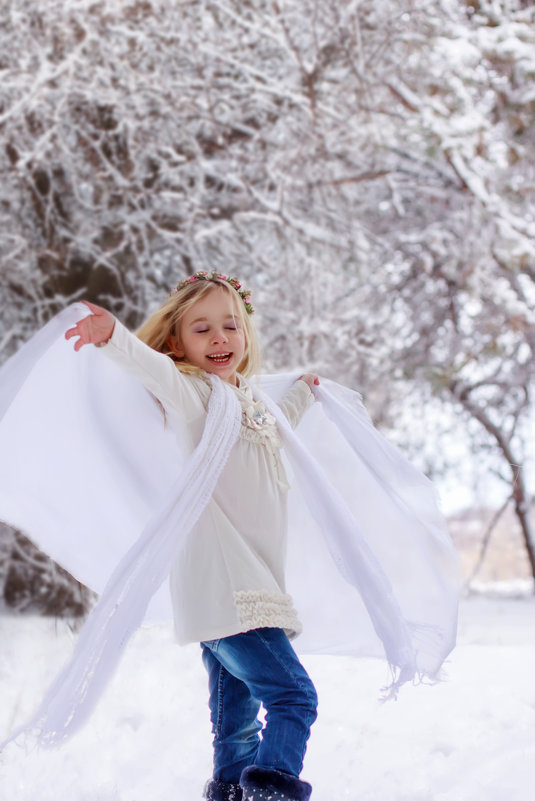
column 310, row 379
column 95, row 329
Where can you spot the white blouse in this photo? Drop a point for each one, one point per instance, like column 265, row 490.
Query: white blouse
column 230, row 578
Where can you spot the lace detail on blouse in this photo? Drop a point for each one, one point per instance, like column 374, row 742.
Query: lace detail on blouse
column 260, row 427
column 260, row 608
column 257, row 424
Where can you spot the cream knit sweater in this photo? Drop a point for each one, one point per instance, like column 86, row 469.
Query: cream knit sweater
column 231, row 576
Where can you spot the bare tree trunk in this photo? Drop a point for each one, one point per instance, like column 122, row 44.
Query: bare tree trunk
column 522, row 511
column 519, row 491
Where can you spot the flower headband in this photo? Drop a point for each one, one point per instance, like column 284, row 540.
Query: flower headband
column 201, row 275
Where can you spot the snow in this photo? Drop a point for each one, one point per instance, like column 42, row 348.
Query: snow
column 469, row 737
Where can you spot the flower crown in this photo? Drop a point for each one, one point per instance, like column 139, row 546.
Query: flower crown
column 201, row 275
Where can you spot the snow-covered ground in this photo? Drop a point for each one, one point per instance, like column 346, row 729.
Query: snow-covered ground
column 471, row 738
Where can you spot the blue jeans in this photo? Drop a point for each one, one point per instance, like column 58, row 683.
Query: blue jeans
column 243, row 670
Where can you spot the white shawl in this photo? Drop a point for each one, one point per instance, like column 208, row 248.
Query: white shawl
column 90, row 473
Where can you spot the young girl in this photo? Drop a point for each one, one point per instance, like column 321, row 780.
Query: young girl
column 369, row 561
column 228, row 587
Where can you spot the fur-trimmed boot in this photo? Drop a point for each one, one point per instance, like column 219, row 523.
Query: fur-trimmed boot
column 216, row 790
column 261, row 784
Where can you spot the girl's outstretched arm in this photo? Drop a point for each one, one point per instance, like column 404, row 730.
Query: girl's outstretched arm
column 295, row 403
column 95, row 329
column 156, row 371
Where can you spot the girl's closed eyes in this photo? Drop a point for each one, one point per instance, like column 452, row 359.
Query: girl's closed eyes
column 206, row 330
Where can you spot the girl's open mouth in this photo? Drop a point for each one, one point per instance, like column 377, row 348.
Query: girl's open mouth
column 220, row 358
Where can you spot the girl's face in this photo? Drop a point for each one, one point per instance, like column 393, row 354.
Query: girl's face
column 211, row 336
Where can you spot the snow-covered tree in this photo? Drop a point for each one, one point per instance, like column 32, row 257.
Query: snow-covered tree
column 466, row 281
column 364, row 166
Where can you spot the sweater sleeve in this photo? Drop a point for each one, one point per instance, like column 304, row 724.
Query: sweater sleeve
column 295, row 403
column 156, row 371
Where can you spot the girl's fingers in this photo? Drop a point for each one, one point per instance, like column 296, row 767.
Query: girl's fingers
column 72, row 332
column 95, row 329
column 77, row 331
column 96, row 310
column 310, row 379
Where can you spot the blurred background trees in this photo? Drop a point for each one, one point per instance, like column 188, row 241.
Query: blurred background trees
column 366, row 167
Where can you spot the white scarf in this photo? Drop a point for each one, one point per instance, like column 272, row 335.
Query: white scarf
column 412, row 613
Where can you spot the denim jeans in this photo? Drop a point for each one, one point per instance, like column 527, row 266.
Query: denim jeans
column 244, row 670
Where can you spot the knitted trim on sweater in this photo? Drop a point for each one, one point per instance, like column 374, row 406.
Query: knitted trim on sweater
column 262, row 609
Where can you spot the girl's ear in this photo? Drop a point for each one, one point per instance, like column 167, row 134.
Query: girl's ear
column 174, row 346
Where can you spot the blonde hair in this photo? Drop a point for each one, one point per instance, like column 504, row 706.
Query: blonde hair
column 166, row 322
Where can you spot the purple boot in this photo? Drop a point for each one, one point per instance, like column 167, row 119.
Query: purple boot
column 216, row 790
column 261, row 784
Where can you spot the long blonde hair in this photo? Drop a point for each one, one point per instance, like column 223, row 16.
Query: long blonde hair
column 166, row 321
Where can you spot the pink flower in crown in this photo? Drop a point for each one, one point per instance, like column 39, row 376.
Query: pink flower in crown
column 192, row 279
